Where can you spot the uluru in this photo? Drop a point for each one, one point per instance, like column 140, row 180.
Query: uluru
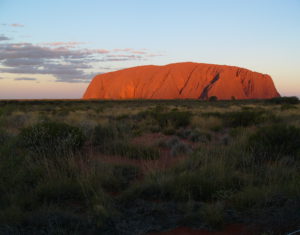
column 182, row 81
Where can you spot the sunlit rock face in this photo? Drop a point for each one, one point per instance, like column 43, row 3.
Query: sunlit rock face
column 182, row 81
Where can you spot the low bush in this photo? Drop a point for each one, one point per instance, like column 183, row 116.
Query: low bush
column 172, row 141
column 203, row 184
column 51, row 138
column 56, row 221
column 213, row 98
column 250, row 197
column 177, row 147
column 121, row 175
column 3, row 137
column 213, row 214
column 188, row 183
column 180, row 148
column 122, row 148
column 194, row 135
column 18, row 120
column 197, row 136
column 58, row 191
column 288, row 107
column 105, row 134
column 184, row 133
column 273, row 141
column 284, row 100
column 243, row 118
column 169, row 130
column 175, row 118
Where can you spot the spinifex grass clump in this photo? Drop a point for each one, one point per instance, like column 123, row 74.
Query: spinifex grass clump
column 244, row 118
column 175, row 118
column 106, row 134
column 213, row 214
column 125, row 149
column 3, row 137
column 119, row 176
column 273, row 141
column 113, row 140
column 51, row 138
column 177, row 147
column 194, row 135
column 165, row 118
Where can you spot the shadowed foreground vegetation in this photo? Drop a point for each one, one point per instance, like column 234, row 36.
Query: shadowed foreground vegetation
column 134, row 167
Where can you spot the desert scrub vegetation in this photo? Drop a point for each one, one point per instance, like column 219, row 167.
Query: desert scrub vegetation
column 168, row 120
column 130, row 151
column 275, row 141
column 246, row 117
column 213, row 214
column 113, row 140
column 131, row 167
column 284, row 100
column 51, row 138
column 175, row 118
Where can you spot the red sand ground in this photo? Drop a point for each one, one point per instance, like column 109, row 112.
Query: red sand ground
column 181, row 81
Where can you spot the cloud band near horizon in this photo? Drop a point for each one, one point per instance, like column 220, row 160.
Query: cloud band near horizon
column 66, row 61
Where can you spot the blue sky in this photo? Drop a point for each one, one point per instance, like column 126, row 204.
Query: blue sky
column 102, row 36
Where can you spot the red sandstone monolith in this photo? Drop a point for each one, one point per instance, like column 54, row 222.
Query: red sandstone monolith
column 182, row 81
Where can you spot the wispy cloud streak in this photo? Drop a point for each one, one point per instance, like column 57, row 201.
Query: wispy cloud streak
column 66, row 61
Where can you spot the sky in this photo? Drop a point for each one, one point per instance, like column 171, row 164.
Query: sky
column 52, row 49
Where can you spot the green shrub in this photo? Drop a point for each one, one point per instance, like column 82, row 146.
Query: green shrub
column 51, row 138
column 213, row 98
column 288, row 107
column 213, row 214
column 18, row 120
column 180, row 148
column 184, row 133
column 243, row 118
column 194, row 135
column 120, row 177
column 197, row 136
column 284, row 100
column 52, row 220
column 203, row 184
column 272, row 141
column 172, row 141
column 177, row 147
column 250, row 196
column 174, row 118
column 166, row 119
column 169, row 131
column 102, row 134
column 3, row 137
column 190, row 182
column 112, row 140
column 59, row 190
column 105, row 134
column 131, row 151
column 12, row 215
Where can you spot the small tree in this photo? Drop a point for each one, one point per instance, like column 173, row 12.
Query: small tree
column 213, row 98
